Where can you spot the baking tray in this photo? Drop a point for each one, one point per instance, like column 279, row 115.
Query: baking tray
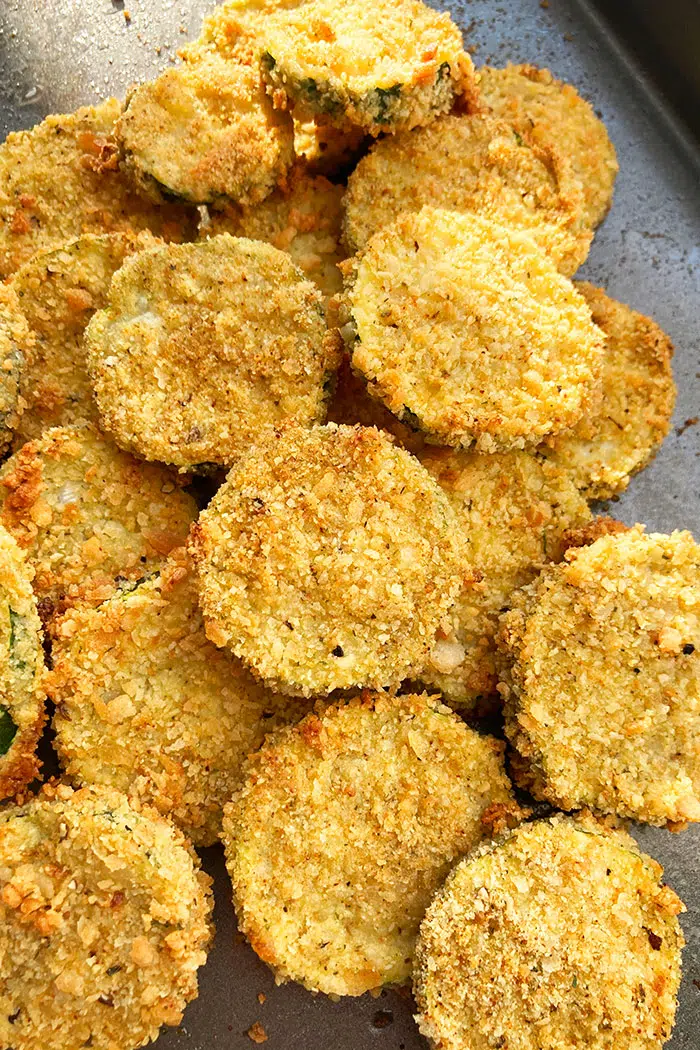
column 58, row 54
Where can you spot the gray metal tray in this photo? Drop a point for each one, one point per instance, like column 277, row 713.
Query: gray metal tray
column 58, row 54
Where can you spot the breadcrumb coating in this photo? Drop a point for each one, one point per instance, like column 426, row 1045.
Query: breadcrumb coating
column 625, row 430
column 233, row 29
column 16, row 351
column 61, row 179
column 601, row 678
column 147, row 705
column 466, row 329
column 326, row 149
column 554, row 114
column 345, row 826
column 328, row 560
column 561, row 936
column 205, row 347
column 105, row 921
column 351, row 403
column 89, row 517
column 471, row 164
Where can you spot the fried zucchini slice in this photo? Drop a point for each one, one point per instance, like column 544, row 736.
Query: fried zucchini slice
column 601, row 676
column 560, row 936
column 350, row 404
column 344, row 827
column 16, row 352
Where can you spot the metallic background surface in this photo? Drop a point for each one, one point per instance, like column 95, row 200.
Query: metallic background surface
column 58, row 54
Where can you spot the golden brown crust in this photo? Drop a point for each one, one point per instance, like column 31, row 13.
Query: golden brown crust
column 351, row 403
column 16, row 352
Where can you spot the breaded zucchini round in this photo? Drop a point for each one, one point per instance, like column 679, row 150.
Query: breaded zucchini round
column 601, row 678
column 625, row 430
column 471, row 164
column 58, row 292
column 381, row 66
column 303, row 220
column 206, row 132
column 466, row 329
column 16, row 351
column 515, row 512
column 327, row 560
column 61, row 179
column 233, row 29
column 89, row 517
column 206, row 347
column 105, row 921
column 344, row 827
column 555, row 115
column 350, row 404
column 22, row 694
column 147, row 705
column 560, row 936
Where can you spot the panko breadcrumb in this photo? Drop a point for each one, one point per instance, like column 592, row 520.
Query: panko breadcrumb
column 601, row 678
column 471, row 164
column 351, row 403
column 345, row 826
column 147, row 705
column 61, row 179
column 88, row 516
column 58, row 292
column 466, row 329
column 625, row 430
column 561, row 936
column 383, row 66
column 22, row 694
column 16, row 351
column 554, row 114
column 205, row 347
column 105, row 921
column 516, row 513
column 328, row 560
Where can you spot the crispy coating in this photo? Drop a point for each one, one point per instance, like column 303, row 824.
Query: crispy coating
column 345, row 826
column 383, row 66
column 206, row 347
column 206, row 132
column 516, row 513
column 61, row 179
column 105, row 920
column 16, row 351
column 22, row 695
column 58, row 292
column 601, row 678
column 474, row 164
column 625, row 430
column 303, row 220
column 561, row 936
column 233, row 29
column 88, row 516
column 466, row 329
column 327, row 560
column 554, row 114
column 147, row 705
column 326, row 149
column 351, row 403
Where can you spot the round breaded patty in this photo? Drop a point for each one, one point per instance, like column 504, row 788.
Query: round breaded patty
column 303, row 220
column 515, row 512
column 345, row 826
column 16, row 351
column 471, row 164
column 554, row 114
column 206, row 132
column 61, row 179
column 466, row 329
column 233, row 29
column 105, row 920
column 206, row 347
column 58, row 292
column 88, row 516
column 384, row 66
column 602, row 678
column 147, row 705
column 624, row 431
column 560, row 936
column 327, row 560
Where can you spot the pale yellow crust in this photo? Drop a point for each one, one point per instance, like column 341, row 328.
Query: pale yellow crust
column 467, row 330
column 601, row 676
column 61, row 179
column 105, row 921
column 16, row 352
column 471, row 164
column 328, row 560
column 561, row 936
column 345, row 826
